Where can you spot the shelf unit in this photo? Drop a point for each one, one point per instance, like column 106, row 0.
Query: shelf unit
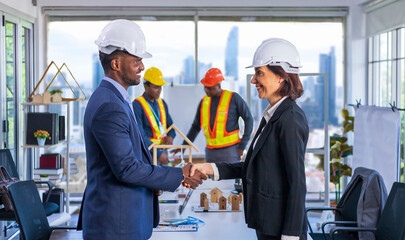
column 28, row 164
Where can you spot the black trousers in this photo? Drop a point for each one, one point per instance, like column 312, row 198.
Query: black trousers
column 261, row 236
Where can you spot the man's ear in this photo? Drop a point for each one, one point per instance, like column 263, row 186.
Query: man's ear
column 115, row 64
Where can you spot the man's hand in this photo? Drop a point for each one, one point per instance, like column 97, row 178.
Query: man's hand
column 204, row 168
column 163, row 159
column 168, row 140
column 195, row 180
column 174, row 151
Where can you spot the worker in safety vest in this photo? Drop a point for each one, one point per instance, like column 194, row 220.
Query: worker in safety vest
column 152, row 112
column 217, row 116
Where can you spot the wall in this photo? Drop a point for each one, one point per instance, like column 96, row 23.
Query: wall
column 356, row 57
column 385, row 17
column 19, row 6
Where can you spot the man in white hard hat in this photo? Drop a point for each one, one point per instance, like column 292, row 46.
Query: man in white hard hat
column 152, row 112
column 120, row 201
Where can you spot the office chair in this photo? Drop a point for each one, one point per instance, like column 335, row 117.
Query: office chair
column 6, row 160
column 346, row 210
column 392, row 222
column 30, row 212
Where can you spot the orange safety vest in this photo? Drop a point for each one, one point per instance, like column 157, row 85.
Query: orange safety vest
column 152, row 120
column 218, row 137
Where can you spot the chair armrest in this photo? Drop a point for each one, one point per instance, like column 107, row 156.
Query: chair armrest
column 320, row 208
column 50, row 186
column 314, row 209
column 63, row 227
column 334, row 222
column 355, row 229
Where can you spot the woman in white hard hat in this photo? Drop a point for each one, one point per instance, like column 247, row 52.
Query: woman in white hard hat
column 273, row 173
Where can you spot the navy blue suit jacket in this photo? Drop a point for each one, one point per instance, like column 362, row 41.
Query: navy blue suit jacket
column 119, row 201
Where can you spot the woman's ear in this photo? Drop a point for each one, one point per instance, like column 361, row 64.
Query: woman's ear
column 280, row 79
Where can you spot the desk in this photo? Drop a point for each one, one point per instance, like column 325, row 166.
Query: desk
column 224, row 225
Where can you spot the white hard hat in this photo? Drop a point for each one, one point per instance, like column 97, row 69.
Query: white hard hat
column 122, row 35
column 277, row 52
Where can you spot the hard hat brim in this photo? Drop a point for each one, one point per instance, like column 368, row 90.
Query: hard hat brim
column 160, row 83
column 144, row 55
column 110, row 49
column 205, row 83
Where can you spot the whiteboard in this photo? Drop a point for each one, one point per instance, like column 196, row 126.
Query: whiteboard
column 183, row 101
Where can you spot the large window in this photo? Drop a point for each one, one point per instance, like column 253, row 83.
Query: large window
column 184, row 48
column 15, row 74
column 386, row 69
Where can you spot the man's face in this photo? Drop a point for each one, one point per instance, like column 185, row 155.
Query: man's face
column 213, row 91
column 152, row 91
column 131, row 68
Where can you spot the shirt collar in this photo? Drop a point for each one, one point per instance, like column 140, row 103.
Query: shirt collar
column 119, row 87
column 148, row 99
column 268, row 113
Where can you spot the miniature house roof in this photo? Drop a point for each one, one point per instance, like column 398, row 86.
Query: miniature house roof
column 179, row 132
column 215, row 190
column 64, row 78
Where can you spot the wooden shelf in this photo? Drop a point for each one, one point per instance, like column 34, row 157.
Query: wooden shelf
column 44, row 104
column 45, row 146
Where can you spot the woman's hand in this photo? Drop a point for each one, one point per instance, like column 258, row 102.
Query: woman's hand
column 205, row 168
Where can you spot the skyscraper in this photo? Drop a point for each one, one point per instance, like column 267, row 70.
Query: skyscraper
column 327, row 64
column 231, row 53
column 98, row 72
column 188, row 73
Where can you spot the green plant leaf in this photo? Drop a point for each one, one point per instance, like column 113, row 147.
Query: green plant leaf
column 334, row 179
column 344, row 113
column 346, row 170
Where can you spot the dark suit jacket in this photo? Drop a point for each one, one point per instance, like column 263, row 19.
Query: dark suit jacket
column 119, row 201
column 273, row 174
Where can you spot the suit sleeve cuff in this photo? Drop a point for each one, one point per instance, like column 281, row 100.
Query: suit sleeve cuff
column 285, row 237
column 216, row 172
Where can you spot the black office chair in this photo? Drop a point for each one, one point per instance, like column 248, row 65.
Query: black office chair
column 346, row 210
column 392, row 222
column 6, row 160
column 364, row 179
column 30, row 212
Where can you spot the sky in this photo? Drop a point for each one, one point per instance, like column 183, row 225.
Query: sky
column 170, row 42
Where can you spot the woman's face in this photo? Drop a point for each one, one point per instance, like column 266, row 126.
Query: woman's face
column 267, row 83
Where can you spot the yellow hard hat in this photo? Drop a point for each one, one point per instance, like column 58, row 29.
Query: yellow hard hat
column 154, row 76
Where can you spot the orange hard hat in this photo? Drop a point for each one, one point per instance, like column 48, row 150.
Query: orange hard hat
column 212, row 77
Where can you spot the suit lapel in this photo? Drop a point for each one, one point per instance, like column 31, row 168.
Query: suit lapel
column 129, row 111
column 268, row 127
column 249, row 153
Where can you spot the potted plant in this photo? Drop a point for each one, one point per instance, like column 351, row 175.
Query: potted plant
column 339, row 149
column 41, row 136
column 44, row 177
column 56, row 95
column 56, row 90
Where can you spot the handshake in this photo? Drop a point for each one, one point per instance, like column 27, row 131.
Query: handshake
column 192, row 181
